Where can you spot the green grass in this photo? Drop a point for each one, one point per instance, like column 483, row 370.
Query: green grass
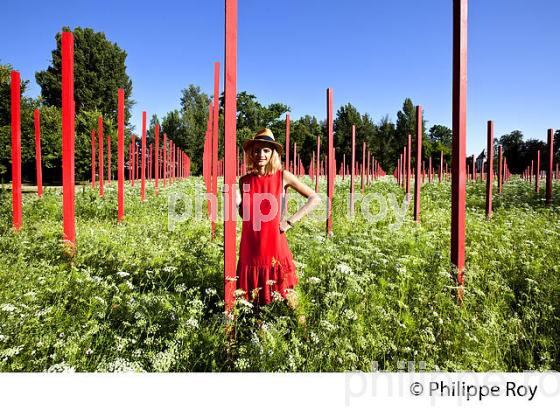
column 140, row 297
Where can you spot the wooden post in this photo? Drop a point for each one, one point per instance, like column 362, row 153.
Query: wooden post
column 550, row 166
column 68, row 185
column 120, row 153
column 318, row 171
column 230, row 138
column 363, row 170
column 418, row 163
column 100, row 136
column 108, row 158
column 330, row 161
column 157, row 159
column 38, row 166
column 15, row 93
column 490, row 170
column 215, row 141
column 143, row 170
column 538, row 172
column 165, row 173
column 287, row 153
column 500, row 169
column 458, row 189
column 93, row 159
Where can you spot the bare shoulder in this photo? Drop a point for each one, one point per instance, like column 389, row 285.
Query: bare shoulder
column 294, row 182
column 289, row 178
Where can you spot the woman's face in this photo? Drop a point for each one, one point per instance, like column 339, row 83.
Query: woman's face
column 261, row 154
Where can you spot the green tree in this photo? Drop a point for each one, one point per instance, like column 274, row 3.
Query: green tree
column 99, row 71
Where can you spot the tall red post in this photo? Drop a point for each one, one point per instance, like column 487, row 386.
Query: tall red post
column 490, row 170
column 93, row 158
column 108, row 158
column 538, row 172
column 550, row 166
column 68, row 113
column 38, row 166
column 15, row 91
column 440, row 166
column 100, row 136
column 408, row 162
column 363, row 165
column 133, row 137
column 215, row 142
column 318, row 171
column 418, row 163
column 352, row 170
column 287, row 141
column 143, row 170
column 230, row 138
column 294, row 168
column 156, row 169
column 458, row 187
column 120, row 152
column 330, row 160
column 165, row 173
column 500, row 169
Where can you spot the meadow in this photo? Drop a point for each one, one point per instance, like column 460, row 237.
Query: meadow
column 140, row 297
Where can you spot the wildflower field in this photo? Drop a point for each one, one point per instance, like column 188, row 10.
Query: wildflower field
column 140, row 297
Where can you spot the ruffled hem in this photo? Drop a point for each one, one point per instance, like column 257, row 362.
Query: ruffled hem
column 261, row 281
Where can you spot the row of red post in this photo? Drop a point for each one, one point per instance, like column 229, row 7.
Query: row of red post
column 179, row 162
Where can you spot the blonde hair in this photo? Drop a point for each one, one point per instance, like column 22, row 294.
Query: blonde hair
column 273, row 165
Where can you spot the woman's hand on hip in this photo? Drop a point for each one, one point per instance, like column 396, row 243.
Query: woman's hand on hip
column 284, row 226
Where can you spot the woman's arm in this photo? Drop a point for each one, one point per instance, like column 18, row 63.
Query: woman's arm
column 313, row 199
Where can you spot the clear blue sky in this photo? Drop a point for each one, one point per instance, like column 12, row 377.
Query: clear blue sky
column 373, row 53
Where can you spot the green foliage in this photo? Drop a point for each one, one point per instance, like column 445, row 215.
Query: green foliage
column 139, row 297
column 99, row 71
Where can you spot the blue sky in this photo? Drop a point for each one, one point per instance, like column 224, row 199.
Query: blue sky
column 373, row 53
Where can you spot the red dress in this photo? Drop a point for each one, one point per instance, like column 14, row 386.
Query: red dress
column 265, row 260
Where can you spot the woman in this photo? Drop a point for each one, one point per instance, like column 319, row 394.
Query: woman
column 266, row 268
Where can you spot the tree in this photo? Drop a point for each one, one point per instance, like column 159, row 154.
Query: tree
column 99, row 71
column 513, row 147
column 441, row 139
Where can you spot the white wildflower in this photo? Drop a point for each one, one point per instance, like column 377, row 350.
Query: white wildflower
column 314, row 280
column 8, row 307
column 61, row 368
column 123, row 274
column 192, row 323
column 344, row 268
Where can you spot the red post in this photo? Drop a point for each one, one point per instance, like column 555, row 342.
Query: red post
column 490, row 169
column 418, row 163
column 215, row 140
column 157, row 159
column 330, row 160
column 15, row 90
column 408, row 161
column 164, row 159
column 550, row 166
column 294, row 168
column 143, row 170
column 93, row 158
column 318, row 171
column 230, row 137
column 458, row 188
column 68, row 113
column 100, row 135
column 150, row 164
column 120, row 159
column 108, row 158
column 133, row 146
column 538, row 172
column 288, row 141
column 500, row 169
column 352, row 171
column 38, row 166
column 363, row 165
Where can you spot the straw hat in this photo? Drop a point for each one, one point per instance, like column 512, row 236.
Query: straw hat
column 264, row 135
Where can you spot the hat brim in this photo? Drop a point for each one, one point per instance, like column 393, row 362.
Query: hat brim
column 247, row 145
